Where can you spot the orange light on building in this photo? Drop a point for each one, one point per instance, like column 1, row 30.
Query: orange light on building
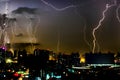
column 82, row 60
column 51, row 57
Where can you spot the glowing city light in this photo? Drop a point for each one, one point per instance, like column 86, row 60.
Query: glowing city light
column 82, row 60
column 8, row 60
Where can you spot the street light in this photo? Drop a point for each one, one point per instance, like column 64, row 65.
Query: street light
column 9, row 60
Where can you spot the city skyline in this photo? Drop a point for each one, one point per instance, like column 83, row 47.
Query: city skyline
column 64, row 25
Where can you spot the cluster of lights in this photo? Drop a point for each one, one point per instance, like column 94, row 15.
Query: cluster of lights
column 21, row 74
column 52, row 76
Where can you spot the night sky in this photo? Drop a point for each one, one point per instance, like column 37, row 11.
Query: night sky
column 69, row 29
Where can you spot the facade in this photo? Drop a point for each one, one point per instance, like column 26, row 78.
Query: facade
column 99, row 59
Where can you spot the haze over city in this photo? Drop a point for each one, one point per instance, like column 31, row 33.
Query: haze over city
column 64, row 25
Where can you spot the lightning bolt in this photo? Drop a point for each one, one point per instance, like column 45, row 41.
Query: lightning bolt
column 117, row 13
column 31, row 35
column 99, row 24
column 4, row 36
column 13, row 29
column 37, row 25
column 58, row 9
column 6, row 7
column 30, row 28
column 55, row 8
column 31, row 31
column 85, row 37
column 58, row 42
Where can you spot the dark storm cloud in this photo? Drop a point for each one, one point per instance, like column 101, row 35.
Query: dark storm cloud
column 21, row 10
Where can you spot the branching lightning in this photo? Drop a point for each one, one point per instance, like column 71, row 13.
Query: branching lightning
column 4, row 24
column 99, row 24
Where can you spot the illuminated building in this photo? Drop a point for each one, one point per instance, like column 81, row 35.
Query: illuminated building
column 2, row 55
column 22, row 54
column 69, row 60
column 99, row 59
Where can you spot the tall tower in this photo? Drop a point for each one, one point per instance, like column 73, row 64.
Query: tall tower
column 3, row 26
